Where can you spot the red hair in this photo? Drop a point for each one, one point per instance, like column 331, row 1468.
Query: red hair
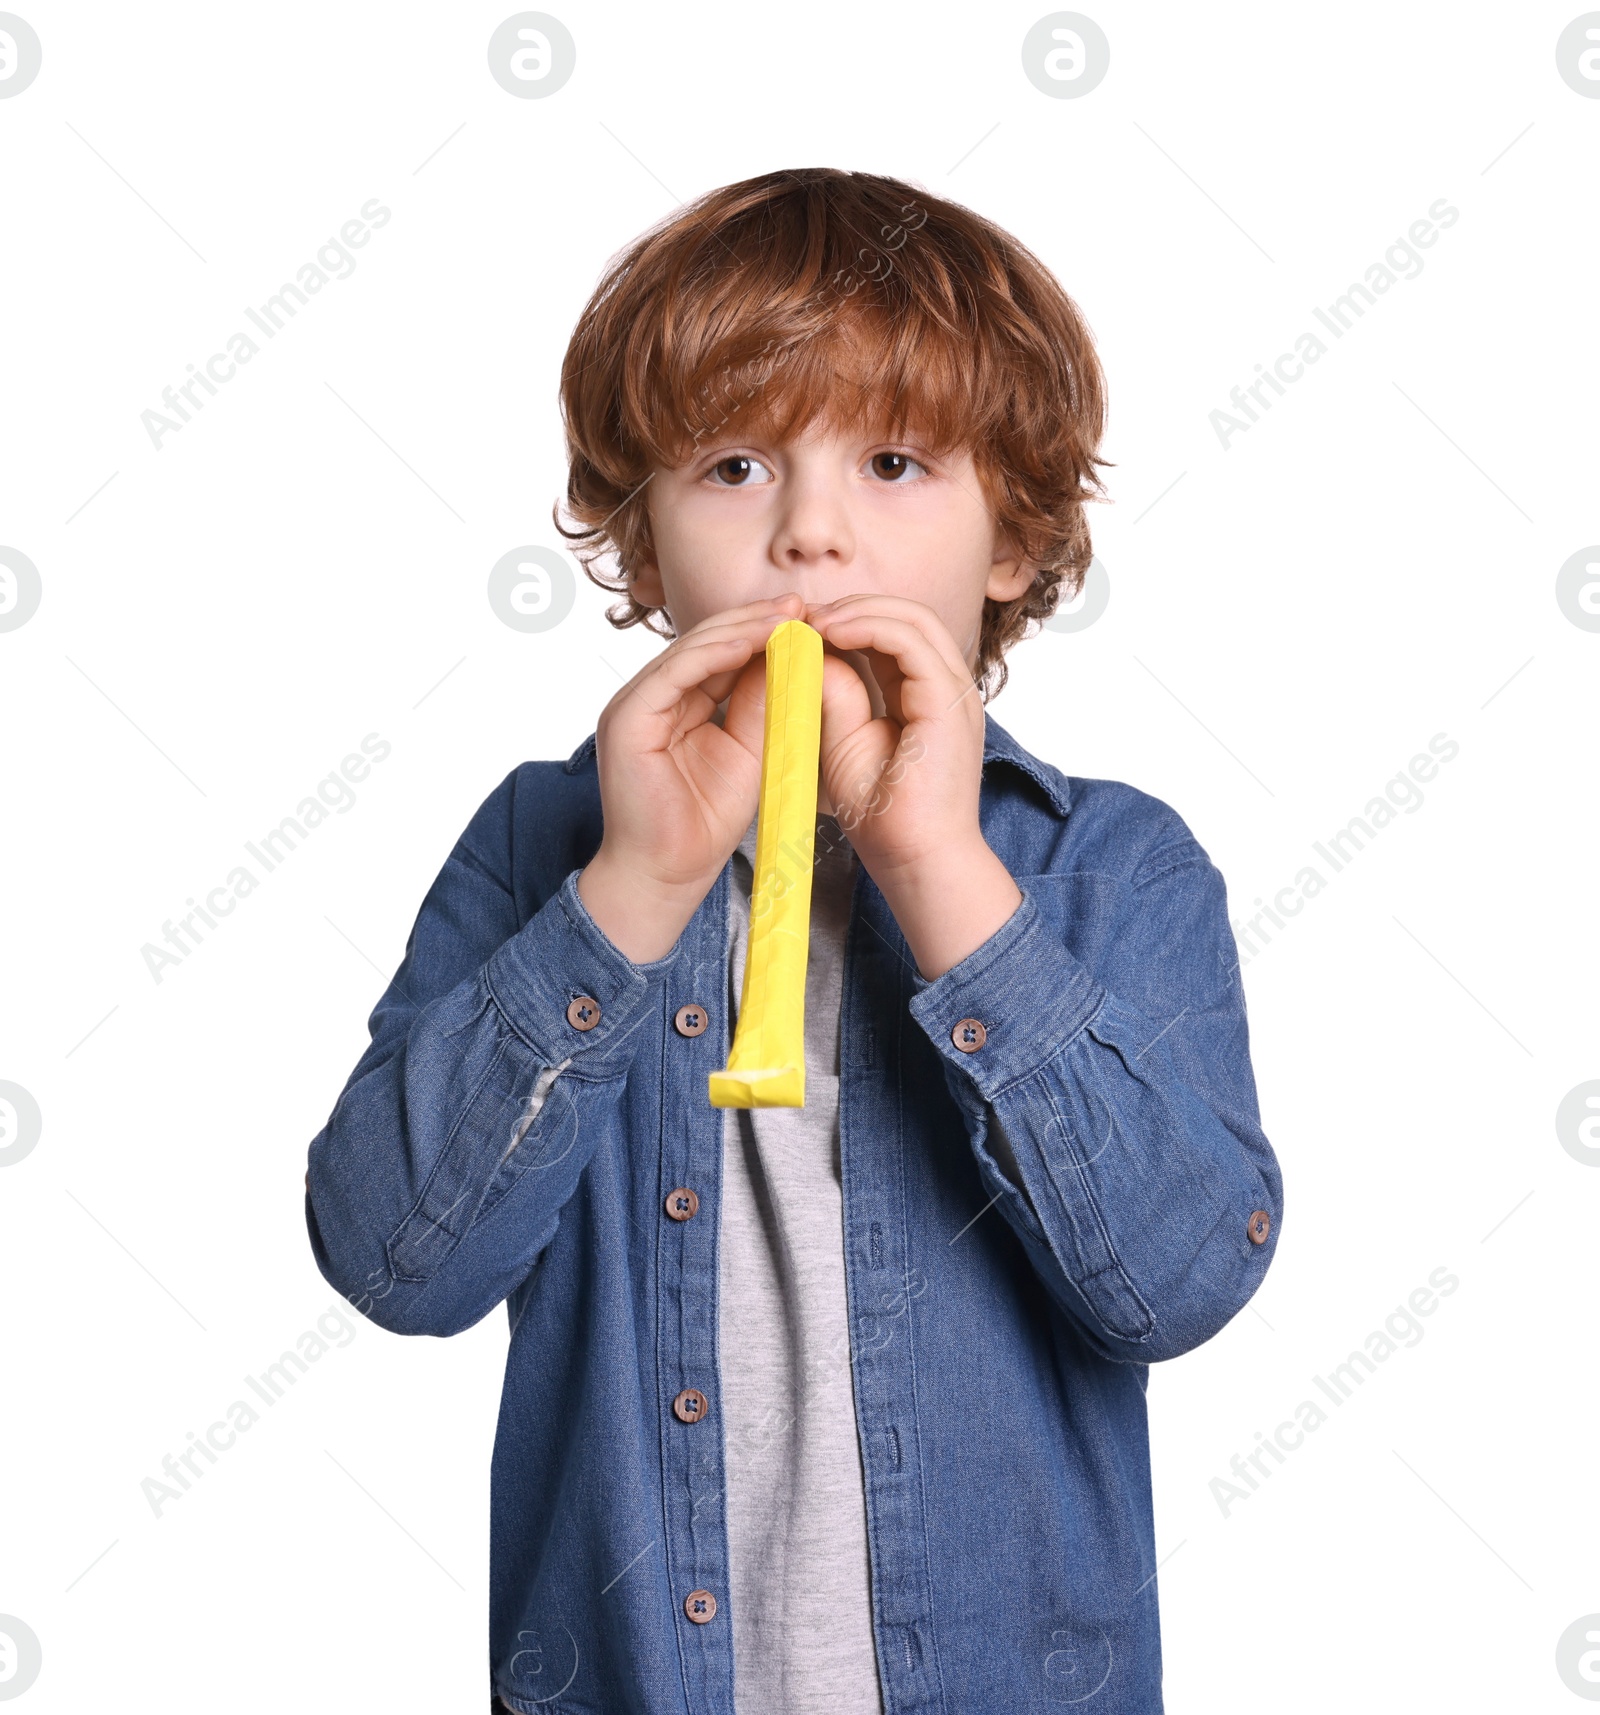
column 861, row 301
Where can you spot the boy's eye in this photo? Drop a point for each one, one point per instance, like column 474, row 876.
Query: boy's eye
column 738, row 469
column 893, row 465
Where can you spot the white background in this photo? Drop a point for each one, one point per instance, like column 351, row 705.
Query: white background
column 306, row 562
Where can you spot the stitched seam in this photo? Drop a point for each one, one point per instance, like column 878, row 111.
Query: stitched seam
column 545, row 1055
column 1055, row 785
column 1115, row 1264
column 1193, row 858
column 854, row 1287
column 911, row 1342
column 478, row 1012
column 1066, row 1202
column 1051, row 1054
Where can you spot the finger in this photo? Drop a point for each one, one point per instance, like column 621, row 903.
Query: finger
column 734, row 621
column 787, row 606
column 846, row 703
column 762, row 619
column 904, row 608
column 699, row 667
column 746, row 718
column 855, row 746
column 675, row 692
column 884, row 666
column 927, row 683
column 879, row 677
column 886, row 674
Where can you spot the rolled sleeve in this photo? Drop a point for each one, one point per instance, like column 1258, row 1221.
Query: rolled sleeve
column 1133, row 1169
column 1023, row 986
column 423, row 1202
column 562, row 955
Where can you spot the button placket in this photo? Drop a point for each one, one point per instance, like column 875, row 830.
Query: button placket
column 878, row 1253
column 689, row 1033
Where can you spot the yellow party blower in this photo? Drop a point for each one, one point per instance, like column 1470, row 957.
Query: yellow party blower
column 767, row 1063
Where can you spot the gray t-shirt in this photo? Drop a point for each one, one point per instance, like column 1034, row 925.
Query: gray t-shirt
column 797, row 1523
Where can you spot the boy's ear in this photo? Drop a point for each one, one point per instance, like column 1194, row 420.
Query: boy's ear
column 644, row 581
column 1009, row 574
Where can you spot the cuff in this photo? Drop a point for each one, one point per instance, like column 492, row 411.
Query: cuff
column 559, row 956
column 1024, row 991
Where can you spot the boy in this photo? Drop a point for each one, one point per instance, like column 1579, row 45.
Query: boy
column 841, row 1407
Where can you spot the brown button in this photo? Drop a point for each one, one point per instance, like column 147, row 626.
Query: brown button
column 969, row 1035
column 691, row 1020
column 682, row 1203
column 690, row 1405
column 699, row 1605
column 583, row 1012
column 1258, row 1226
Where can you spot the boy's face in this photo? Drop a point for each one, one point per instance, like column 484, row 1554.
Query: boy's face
column 825, row 515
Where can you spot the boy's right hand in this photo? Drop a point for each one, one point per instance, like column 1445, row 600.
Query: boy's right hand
column 677, row 791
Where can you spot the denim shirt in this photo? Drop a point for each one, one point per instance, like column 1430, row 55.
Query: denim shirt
column 530, row 1125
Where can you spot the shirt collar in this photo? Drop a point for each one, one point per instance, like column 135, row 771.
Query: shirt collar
column 998, row 746
column 581, row 755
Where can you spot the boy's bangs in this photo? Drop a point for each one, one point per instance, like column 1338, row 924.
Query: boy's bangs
column 859, row 371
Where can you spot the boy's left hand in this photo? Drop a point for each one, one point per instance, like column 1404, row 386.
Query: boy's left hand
column 905, row 785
